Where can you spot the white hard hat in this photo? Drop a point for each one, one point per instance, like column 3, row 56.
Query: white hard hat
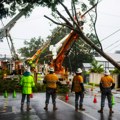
column 79, row 70
column 51, row 69
column 107, row 72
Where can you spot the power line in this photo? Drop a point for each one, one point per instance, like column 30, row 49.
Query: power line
column 110, row 35
column 114, row 47
column 112, row 44
column 21, row 38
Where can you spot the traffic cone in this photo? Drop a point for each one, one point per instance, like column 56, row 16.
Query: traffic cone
column 66, row 97
column 95, row 99
column 113, row 100
column 31, row 95
column 5, row 94
column 14, row 94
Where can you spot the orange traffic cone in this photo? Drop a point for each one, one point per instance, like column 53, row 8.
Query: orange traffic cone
column 95, row 99
column 66, row 97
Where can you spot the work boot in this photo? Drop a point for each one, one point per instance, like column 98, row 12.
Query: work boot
column 46, row 107
column 111, row 111
column 76, row 109
column 21, row 108
column 81, row 108
column 28, row 108
column 101, row 110
column 54, row 107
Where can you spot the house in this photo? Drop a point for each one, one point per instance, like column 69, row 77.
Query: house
column 106, row 64
column 86, row 66
column 101, row 60
column 6, row 63
column 95, row 77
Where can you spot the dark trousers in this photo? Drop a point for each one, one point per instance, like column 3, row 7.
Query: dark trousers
column 106, row 92
column 50, row 92
column 77, row 100
column 23, row 98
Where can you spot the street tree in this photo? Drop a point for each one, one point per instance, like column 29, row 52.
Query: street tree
column 76, row 27
column 10, row 7
column 31, row 47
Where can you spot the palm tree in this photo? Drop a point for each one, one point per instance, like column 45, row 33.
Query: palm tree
column 96, row 67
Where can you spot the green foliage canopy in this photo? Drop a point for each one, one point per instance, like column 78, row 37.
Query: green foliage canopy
column 10, row 7
column 31, row 47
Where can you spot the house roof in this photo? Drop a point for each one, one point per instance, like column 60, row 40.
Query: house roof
column 101, row 60
column 114, row 56
column 87, row 65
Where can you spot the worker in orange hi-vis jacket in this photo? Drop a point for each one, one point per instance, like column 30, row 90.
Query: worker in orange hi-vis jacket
column 51, row 81
column 106, row 85
column 78, row 88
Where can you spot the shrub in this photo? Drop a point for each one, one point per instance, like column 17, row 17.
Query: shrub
column 9, row 85
column 39, row 88
column 62, row 89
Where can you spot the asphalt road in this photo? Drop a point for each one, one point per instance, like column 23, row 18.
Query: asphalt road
column 10, row 108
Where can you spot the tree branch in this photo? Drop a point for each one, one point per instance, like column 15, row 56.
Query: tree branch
column 89, row 9
column 53, row 20
column 61, row 16
column 82, row 36
column 69, row 14
column 94, row 24
column 70, row 27
column 75, row 13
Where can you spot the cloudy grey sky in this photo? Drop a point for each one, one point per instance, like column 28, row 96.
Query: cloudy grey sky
column 36, row 25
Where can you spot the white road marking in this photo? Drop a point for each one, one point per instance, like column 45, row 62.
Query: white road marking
column 93, row 118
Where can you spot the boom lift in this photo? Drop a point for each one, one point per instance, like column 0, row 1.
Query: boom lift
column 54, row 48
column 57, row 63
column 4, row 32
column 32, row 62
column 67, row 43
column 34, row 59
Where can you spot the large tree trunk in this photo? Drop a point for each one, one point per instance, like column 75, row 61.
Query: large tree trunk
column 98, row 50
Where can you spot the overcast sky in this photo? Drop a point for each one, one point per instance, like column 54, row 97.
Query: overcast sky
column 36, row 25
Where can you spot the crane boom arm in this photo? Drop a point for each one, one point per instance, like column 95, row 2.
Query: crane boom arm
column 57, row 63
column 4, row 31
column 38, row 52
